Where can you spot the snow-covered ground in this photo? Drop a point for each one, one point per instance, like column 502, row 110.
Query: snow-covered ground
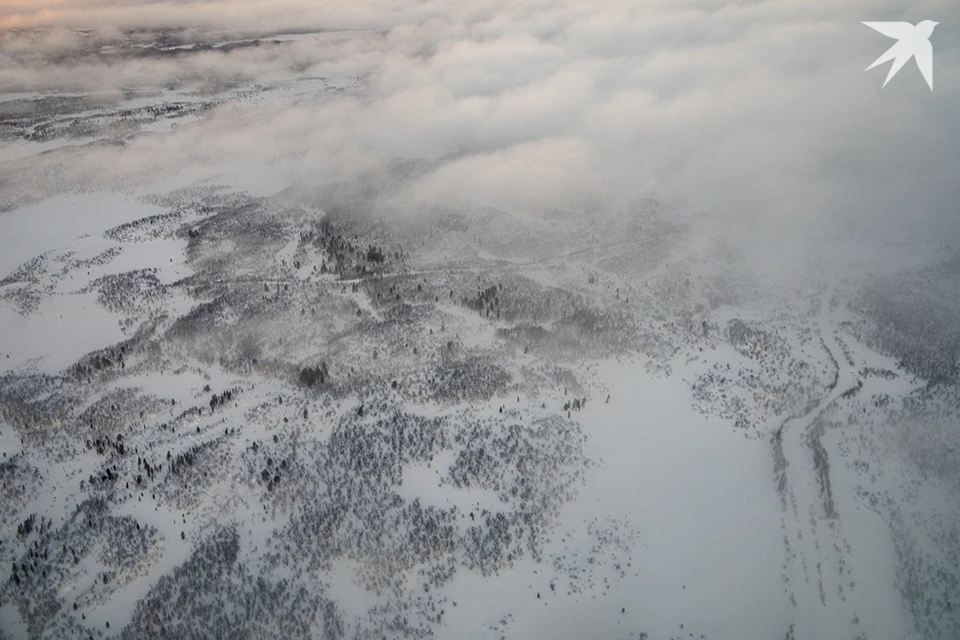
column 246, row 391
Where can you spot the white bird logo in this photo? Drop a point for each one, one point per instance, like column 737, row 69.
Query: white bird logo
column 914, row 42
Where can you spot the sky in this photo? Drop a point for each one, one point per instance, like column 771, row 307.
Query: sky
column 757, row 113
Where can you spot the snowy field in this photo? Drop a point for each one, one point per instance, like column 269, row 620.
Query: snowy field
column 364, row 332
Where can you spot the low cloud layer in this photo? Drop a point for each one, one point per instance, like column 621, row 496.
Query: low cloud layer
column 758, row 113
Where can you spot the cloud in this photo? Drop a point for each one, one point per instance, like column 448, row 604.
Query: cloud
column 758, row 113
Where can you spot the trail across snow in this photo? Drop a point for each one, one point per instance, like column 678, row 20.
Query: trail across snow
column 824, row 568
